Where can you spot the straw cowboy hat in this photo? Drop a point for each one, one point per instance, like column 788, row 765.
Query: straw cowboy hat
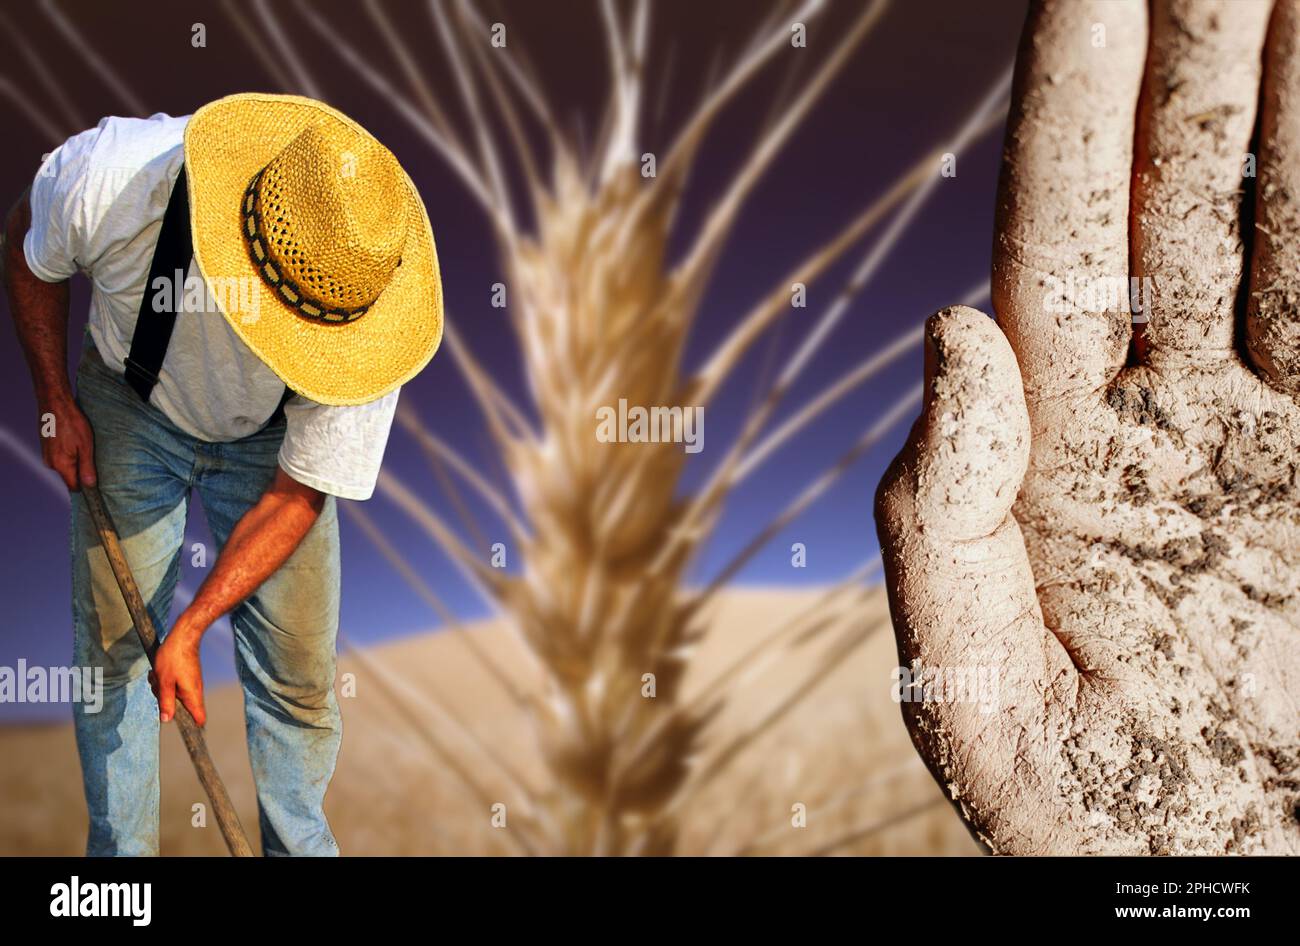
column 302, row 204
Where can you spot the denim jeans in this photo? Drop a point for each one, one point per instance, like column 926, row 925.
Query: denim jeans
column 284, row 634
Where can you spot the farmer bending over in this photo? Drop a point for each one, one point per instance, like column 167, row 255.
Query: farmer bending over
column 304, row 267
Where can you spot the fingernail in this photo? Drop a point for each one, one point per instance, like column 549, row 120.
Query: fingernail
column 166, row 717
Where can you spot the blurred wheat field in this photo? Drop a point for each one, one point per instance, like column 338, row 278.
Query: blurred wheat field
column 601, row 608
column 844, row 755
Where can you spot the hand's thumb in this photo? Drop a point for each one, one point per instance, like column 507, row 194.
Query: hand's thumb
column 972, row 442
column 961, row 591
column 943, row 507
column 955, row 561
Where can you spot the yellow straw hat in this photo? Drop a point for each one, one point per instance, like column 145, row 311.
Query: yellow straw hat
column 315, row 245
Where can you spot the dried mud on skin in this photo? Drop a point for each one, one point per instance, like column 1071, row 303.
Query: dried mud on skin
column 1164, row 545
column 1162, row 527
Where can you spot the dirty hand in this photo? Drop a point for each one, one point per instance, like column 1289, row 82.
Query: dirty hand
column 69, row 447
column 177, row 673
column 1140, row 602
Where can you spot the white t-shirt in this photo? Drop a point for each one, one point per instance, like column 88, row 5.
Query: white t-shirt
column 97, row 206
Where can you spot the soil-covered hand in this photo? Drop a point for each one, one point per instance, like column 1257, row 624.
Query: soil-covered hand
column 1138, row 607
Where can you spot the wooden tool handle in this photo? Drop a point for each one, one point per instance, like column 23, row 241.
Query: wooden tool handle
column 191, row 734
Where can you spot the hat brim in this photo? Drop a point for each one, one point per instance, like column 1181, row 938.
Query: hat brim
column 226, row 143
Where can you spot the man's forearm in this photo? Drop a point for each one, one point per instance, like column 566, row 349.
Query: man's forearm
column 258, row 545
column 40, row 313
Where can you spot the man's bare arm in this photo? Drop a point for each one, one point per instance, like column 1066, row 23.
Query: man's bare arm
column 40, row 314
column 258, row 545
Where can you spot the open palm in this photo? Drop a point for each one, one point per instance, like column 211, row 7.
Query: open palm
column 1139, row 604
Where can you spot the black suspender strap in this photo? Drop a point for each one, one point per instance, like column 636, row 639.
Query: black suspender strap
column 278, row 413
column 154, row 325
column 171, row 262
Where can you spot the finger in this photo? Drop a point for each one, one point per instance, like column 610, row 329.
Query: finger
column 65, row 466
column 1061, row 261
column 1273, row 314
column 86, row 465
column 961, row 590
column 166, row 698
column 192, row 697
column 1195, row 122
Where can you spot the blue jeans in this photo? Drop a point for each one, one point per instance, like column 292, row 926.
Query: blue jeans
column 284, row 634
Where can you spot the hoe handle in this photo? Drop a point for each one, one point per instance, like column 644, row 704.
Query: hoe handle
column 227, row 820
